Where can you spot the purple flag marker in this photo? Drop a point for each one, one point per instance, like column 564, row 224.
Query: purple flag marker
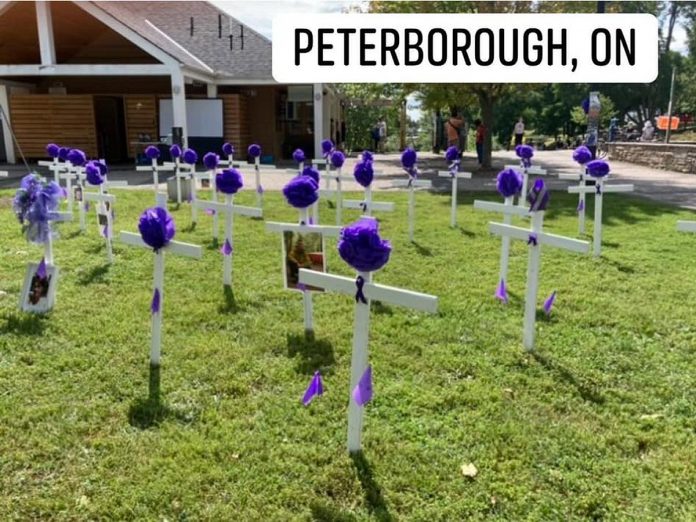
column 501, row 292
column 41, row 270
column 226, row 249
column 155, row 306
column 548, row 304
column 316, row 387
column 260, row 189
column 581, row 206
column 362, row 393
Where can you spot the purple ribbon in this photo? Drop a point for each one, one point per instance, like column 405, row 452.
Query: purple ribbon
column 105, row 231
column 259, row 189
column 302, row 287
column 501, row 292
column 155, row 306
column 599, row 189
column 359, row 295
column 86, row 206
column 210, row 211
column 363, row 206
column 581, row 206
column 532, row 240
column 41, row 270
column 226, row 249
column 454, row 168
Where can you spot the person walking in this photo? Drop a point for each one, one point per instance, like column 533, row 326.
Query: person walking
column 453, row 126
column 382, row 126
column 519, row 132
column 374, row 134
column 480, row 139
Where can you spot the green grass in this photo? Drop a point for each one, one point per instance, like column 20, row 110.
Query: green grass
column 600, row 424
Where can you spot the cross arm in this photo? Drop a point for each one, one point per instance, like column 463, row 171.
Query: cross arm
column 686, row 226
column 386, row 294
column 159, row 168
column 176, row 247
column 4, row 173
column 63, row 216
column 374, row 205
column 543, row 238
column 104, row 198
column 221, row 207
column 534, row 171
column 116, row 184
column 325, row 230
column 577, row 189
column 492, row 206
column 571, row 177
column 448, row 174
column 333, row 175
column 418, row 183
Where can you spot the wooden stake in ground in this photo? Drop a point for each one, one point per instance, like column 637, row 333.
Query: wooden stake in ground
column 535, row 238
column 157, row 231
column 601, row 170
column 364, row 174
column 153, row 153
column 365, row 260
column 455, row 176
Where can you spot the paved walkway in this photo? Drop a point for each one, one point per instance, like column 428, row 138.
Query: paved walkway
column 660, row 185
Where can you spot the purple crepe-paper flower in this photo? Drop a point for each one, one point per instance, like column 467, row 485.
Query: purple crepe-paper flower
column 524, row 151
column 359, row 294
column 538, row 196
column 94, row 173
column 229, row 181
column 156, row 227
column 301, row 191
column 548, row 304
column 362, row 393
column 361, row 247
column 367, row 156
column 311, row 172
column 41, row 272
column 582, row 155
column 254, row 150
column 408, row 159
column 337, row 159
column 211, row 160
column 451, row 154
column 190, row 156
column 326, row 147
column 52, row 150
column 597, row 168
column 364, row 173
column 77, row 157
column 298, row 156
column 501, row 292
column 226, row 249
column 63, row 153
column 102, row 166
column 152, row 152
column 227, row 149
column 35, row 204
column 509, row 182
column 155, row 305
column 316, row 387
column 175, row 151
column 581, row 206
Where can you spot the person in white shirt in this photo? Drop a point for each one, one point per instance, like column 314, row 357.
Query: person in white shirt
column 519, row 132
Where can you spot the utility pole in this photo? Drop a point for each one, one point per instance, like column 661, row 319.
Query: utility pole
column 669, row 107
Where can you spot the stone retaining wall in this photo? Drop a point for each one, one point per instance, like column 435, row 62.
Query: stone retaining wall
column 678, row 157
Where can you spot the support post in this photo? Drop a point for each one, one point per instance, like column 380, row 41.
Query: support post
column 597, row 233
column 453, row 215
column 318, row 118
column 155, row 347
column 505, row 250
column 532, row 283
column 45, row 29
column 227, row 262
column 179, row 103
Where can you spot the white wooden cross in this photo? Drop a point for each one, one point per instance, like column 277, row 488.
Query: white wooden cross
column 367, row 205
column 101, row 198
column 175, row 247
column 361, row 327
column 454, row 176
column 56, row 167
column 535, row 238
column 180, row 173
column 228, row 208
column 303, row 228
column 209, row 176
column 598, row 190
column 160, row 198
column 412, row 185
column 581, row 177
column 686, row 226
column 186, row 171
column 81, row 178
column 338, row 191
column 243, row 168
column 526, row 172
column 508, row 209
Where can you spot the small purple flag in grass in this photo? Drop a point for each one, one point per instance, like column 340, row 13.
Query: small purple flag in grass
column 155, row 306
column 548, row 304
column 581, row 206
column 316, row 387
column 362, row 393
column 501, row 292
column 226, row 249
column 41, row 270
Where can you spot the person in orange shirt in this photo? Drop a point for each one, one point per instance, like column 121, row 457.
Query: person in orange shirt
column 480, row 138
column 453, row 126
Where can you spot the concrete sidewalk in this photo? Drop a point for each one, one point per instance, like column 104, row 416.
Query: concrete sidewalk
column 664, row 186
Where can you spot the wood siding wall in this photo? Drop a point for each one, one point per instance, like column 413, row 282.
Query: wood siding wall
column 236, row 122
column 141, row 118
column 68, row 120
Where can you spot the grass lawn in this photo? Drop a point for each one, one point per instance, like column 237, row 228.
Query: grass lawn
column 600, row 423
